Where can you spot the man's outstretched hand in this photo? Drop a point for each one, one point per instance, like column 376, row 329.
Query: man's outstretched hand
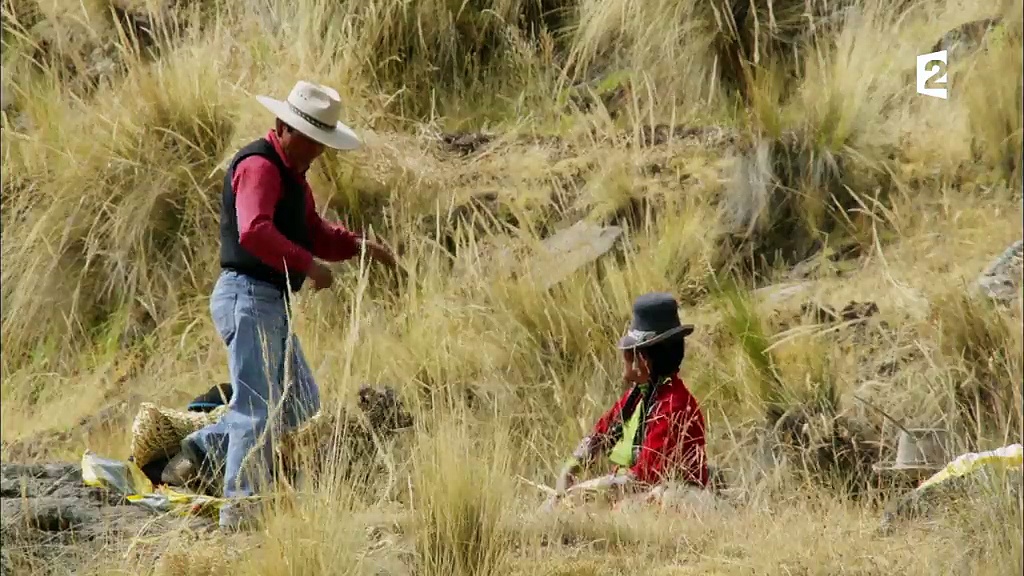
column 320, row 276
column 379, row 253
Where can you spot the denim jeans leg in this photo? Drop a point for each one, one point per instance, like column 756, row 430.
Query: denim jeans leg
column 213, row 439
column 302, row 395
column 257, row 358
column 251, row 317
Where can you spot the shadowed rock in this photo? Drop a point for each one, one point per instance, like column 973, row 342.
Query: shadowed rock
column 967, row 37
column 1001, row 279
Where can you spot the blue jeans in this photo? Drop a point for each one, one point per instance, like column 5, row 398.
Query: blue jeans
column 252, row 319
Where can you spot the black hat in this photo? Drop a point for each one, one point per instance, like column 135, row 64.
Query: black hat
column 655, row 318
column 212, row 398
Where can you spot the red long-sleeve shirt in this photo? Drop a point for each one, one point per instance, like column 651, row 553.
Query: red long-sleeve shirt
column 257, row 187
column 673, row 445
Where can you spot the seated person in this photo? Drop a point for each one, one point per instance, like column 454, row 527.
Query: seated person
column 655, row 432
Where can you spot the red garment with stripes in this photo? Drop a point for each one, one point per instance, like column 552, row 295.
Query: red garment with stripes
column 673, row 446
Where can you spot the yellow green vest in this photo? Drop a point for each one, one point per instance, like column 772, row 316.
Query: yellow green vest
column 622, row 452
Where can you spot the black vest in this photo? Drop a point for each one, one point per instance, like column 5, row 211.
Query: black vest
column 289, row 219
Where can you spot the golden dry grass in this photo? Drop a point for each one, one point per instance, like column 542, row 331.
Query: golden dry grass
column 110, row 194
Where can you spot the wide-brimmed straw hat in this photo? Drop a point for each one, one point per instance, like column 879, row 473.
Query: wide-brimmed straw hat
column 655, row 318
column 919, row 450
column 315, row 111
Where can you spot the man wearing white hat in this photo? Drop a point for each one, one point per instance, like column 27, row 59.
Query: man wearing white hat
column 271, row 236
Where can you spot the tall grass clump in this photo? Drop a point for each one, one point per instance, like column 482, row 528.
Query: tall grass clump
column 982, row 345
column 424, row 52
column 461, row 493
column 995, row 111
column 131, row 195
column 317, row 533
column 687, row 53
column 817, row 168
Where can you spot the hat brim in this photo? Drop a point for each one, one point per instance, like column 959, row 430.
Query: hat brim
column 890, row 467
column 630, row 342
column 340, row 138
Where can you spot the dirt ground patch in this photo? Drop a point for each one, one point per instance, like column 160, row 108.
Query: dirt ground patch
column 52, row 521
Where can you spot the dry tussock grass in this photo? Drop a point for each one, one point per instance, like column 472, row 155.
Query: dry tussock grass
column 820, row 153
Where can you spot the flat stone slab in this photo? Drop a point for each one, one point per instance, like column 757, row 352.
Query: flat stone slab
column 571, row 249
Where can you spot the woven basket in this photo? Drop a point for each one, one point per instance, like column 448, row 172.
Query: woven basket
column 157, row 432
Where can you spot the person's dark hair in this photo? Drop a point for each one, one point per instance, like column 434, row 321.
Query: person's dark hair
column 665, row 357
column 283, row 127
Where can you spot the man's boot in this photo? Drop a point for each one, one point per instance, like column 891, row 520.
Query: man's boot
column 189, row 467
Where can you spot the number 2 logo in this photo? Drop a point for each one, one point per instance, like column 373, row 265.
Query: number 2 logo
column 931, row 74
